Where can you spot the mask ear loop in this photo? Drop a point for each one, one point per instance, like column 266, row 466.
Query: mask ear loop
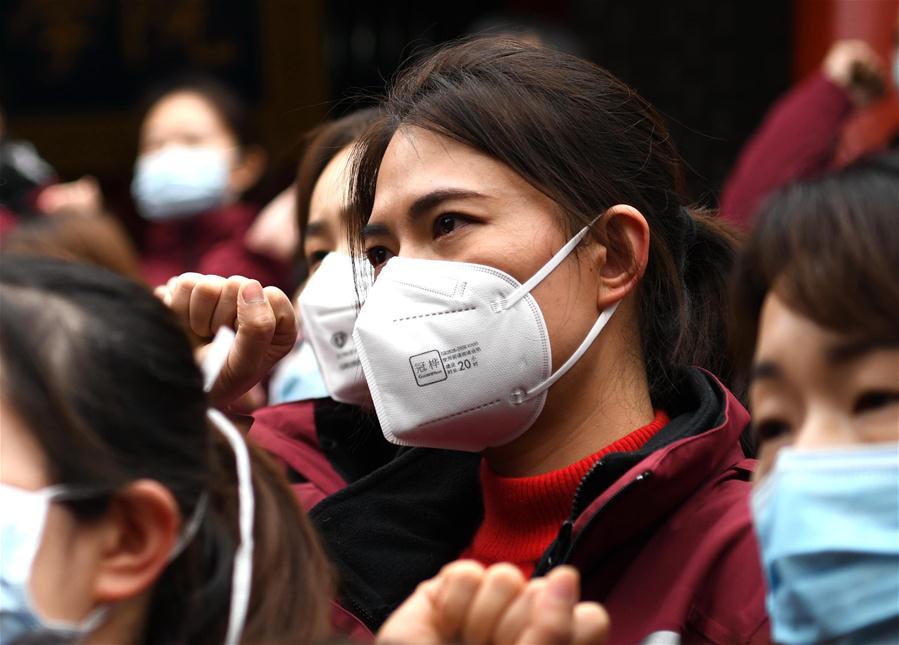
column 242, row 573
column 520, row 395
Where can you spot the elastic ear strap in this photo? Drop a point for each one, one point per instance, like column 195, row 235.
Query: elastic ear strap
column 604, row 318
column 242, row 576
column 216, row 355
column 193, row 525
column 519, row 293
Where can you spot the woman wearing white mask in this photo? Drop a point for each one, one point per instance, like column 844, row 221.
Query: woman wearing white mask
column 196, row 158
column 818, row 296
column 542, row 301
column 319, row 430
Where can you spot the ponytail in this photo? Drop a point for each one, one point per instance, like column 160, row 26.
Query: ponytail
column 683, row 300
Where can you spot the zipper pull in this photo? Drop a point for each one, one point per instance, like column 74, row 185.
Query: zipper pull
column 556, row 553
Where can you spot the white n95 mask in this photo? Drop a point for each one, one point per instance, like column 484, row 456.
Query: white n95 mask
column 457, row 355
column 329, row 306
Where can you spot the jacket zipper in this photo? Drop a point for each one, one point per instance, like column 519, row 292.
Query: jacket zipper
column 563, row 542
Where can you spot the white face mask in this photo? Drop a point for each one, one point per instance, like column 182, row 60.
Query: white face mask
column 179, row 182
column 329, row 307
column 457, row 355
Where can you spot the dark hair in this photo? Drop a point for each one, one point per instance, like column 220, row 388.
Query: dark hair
column 225, row 101
column 93, row 238
column 321, row 145
column 829, row 248
column 104, row 377
column 587, row 141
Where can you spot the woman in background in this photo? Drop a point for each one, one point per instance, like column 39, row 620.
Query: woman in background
column 817, row 301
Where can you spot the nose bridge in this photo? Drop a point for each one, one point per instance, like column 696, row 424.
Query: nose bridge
column 824, row 425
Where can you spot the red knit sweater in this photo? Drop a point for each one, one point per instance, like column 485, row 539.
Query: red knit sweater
column 523, row 514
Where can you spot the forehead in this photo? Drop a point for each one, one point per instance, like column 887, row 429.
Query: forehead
column 418, row 161
column 329, row 196
column 183, row 109
column 785, row 334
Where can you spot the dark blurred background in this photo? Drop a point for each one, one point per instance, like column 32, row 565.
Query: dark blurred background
column 72, row 71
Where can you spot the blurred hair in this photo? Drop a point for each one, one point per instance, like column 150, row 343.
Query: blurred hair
column 230, row 107
column 98, row 240
column 104, row 377
column 829, row 248
column 322, row 144
column 587, row 141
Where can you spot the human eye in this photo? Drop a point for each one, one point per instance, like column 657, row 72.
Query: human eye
column 315, row 258
column 874, row 400
column 378, row 255
column 771, row 429
column 449, row 222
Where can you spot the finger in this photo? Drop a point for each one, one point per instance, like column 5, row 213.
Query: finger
column 591, row 624
column 553, row 614
column 413, row 621
column 515, row 620
column 502, row 584
column 203, row 301
column 244, row 366
column 285, row 334
column 181, row 287
column 162, row 293
column 459, row 583
column 225, row 314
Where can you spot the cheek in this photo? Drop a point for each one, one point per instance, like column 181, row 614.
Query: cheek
column 567, row 299
column 62, row 575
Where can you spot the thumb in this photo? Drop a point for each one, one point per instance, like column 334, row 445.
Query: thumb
column 255, row 329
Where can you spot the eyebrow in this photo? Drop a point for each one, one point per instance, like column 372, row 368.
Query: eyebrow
column 847, row 352
column 422, row 205
column 765, row 370
column 314, row 228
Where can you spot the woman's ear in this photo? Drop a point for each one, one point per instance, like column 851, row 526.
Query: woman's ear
column 626, row 255
column 143, row 527
column 249, row 169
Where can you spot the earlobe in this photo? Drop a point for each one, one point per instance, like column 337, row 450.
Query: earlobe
column 144, row 522
column 626, row 255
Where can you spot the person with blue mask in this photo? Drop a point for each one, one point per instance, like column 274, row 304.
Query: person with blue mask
column 196, row 159
column 134, row 521
column 818, row 300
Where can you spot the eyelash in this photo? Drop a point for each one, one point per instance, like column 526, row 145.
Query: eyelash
column 771, row 429
column 874, row 400
column 457, row 219
column 315, row 257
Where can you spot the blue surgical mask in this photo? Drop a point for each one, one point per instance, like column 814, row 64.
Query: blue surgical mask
column 828, row 527
column 297, row 377
column 179, row 182
column 21, row 531
column 21, row 528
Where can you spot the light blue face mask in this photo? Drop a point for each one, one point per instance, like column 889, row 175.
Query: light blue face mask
column 828, row 527
column 179, row 182
column 21, row 528
column 21, row 531
column 297, row 377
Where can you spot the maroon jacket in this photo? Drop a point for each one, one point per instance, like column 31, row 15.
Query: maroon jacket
column 662, row 536
column 796, row 140
column 173, row 247
column 322, row 445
